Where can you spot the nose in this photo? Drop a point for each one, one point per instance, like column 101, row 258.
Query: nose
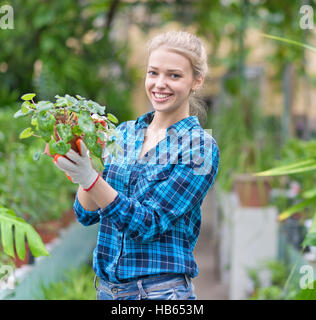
column 161, row 83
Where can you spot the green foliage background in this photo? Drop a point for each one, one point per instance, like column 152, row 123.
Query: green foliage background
column 55, row 48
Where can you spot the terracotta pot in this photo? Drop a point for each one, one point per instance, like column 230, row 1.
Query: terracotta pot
column 48, row 230
column 252, row 191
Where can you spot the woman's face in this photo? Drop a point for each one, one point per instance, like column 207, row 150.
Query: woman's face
column 170, row 74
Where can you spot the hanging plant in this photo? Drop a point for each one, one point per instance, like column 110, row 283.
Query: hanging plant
column 62, row 123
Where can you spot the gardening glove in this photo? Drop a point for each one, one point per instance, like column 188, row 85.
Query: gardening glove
column 78, row 167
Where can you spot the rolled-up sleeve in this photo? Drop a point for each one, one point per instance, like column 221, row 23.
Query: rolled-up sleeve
column 166, row 202
column 84, row 216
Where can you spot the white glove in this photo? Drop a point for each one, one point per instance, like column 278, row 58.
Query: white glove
column 78, row 168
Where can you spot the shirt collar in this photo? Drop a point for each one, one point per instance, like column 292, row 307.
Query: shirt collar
column 186, row 123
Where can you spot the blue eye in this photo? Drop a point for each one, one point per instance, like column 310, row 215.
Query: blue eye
column 174, row 74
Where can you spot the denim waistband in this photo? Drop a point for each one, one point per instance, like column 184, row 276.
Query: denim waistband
column 145, row 284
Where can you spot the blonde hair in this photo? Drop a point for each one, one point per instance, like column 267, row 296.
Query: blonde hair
column 192, row 47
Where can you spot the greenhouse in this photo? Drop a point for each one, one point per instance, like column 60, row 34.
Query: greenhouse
column 157, row 150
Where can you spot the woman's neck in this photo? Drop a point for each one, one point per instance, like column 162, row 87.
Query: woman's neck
column 163, row 120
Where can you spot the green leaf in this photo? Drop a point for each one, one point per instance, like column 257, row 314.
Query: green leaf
column 309, row 193
column 92, row 107
column 26, row 133
column 310, row 239
column 64, row 130
column 46, row 135
column 34, row 123
column 60, row 147
column 28, row 96
column 93, row 145
column 35, row 242
column 86, row 124
column 286, row 40
column 19, row 113
column 46, row 121
column 8, row 221
column 70, row 100
column 296, row 167
column 20, row 242
column 112, row 118
column 7, row 237
column 61, row 102
column 296, row 208
column 77, row 131
column 97, row 163
column 313, row 227
column 25, row 107
column 44, row 106
column 74, row 107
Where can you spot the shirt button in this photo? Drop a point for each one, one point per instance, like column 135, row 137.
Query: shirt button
column 114, row 290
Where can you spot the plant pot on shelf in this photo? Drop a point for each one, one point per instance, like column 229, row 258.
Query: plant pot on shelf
column 252, row 191
column 48, row 230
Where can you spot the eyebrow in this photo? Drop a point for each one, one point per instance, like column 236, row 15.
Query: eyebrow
column 168, row 69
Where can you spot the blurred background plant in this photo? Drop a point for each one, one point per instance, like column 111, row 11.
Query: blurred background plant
column 268, row 281
column 34, row 190
column 76, row 285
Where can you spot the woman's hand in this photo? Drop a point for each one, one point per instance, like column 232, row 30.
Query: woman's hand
column 78, row 168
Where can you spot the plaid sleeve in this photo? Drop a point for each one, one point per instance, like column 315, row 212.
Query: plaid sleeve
column 167, row 201
column 84, row 216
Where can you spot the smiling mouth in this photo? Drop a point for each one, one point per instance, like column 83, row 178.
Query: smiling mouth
column 161, row 97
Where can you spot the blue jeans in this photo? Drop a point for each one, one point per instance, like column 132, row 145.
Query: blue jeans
column 162, row 287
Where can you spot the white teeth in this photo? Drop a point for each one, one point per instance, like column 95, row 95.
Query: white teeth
column 161, row 96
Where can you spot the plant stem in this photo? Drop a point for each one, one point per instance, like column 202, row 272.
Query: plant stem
column 64, row 115
column 35, row 135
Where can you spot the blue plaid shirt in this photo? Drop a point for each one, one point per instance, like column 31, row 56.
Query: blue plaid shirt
column 153, row 224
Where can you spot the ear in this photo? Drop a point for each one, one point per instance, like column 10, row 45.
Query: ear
column 198, row 82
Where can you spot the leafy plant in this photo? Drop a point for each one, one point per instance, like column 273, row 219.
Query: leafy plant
column 76, row 285
column 62, row 123
column 13, row 232
column 278, row 273
column 304, row 163
column 242, row 132
column 31, row 191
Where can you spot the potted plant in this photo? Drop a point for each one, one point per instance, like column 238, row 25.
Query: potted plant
column 62, row 123
column 252, row 191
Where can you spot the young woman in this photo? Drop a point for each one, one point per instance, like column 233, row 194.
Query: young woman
column 148, row 200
